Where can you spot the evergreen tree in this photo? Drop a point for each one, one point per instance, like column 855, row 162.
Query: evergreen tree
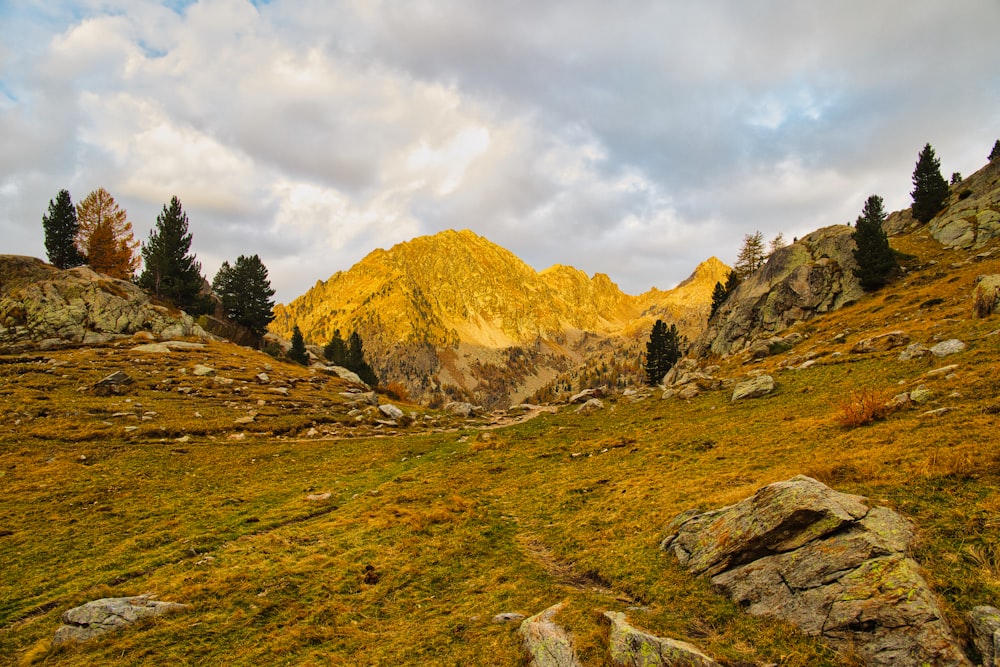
column 751, row 255
column 170, row 271
column 246, row 293
column 105, row 236
column 930, row 190
column 777, row 242
column 61, row 227
column 664, row 348
column 356, row 360
column 298, row 352
column 956, row 177
column 336, row 350
column 995, row 153
column 719, row 295
column 876, row 261
column 732, row 282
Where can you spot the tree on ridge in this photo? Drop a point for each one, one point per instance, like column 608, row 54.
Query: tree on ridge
column 245, row 291
column 105, row 236
column 930, row 190
column 170, row 271
column 61, row 227
column 876, row 261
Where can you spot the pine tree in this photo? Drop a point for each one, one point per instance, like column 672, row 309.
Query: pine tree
column 336, row 350
column 876, row 261
column 751, row 255
column 105, row 236
column 246, row 293
column 298, row 352
column 663, row 350
column 170, row 271
column 930, row 190
column 61, row 227
column 777, row 242
column 356, row 360
column 719, row 295
column 995, row 153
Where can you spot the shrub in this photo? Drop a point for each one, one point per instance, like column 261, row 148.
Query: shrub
column 863, row 407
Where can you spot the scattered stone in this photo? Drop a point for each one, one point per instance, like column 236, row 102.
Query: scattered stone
column 882, row 342
column 755, row 387
column 247, row 419
column 117, row 383
column 590, row 407
column 635, row 648
column 828, row 562
column 156, row 348
column 319, row 496
column 547, row 643
column 935, row 413
column 281, row 391
column 899, row 401
column 102, row 616
column 583, row 396
column 201, row 370
column 913, row 351
column 986, row 295
column 312, row 433
column 262, row 378
column 985, row 622
column 688, row 392
column 951, row 346
column 944, row 370
column 390, row 411
column 508, row 617
column 460, row 409
column 921, row 395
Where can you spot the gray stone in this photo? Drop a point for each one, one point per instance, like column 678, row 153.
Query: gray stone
column 986, row 295
column 882, row 342
column 944, row 370
column 947, row 347
column 461, row 409
column 590, row 407
column 390, row 411
column 548, row 644
column 117, row 383
column 201, row 370
column 755, row 387
column 921, row 395
column 583, row 396
column 508, row 617
column 913, row 351
column 825, row 561
column 102, row 616
column 262, row 378
column 985, row 622
column 634, row 648
column 688, row 391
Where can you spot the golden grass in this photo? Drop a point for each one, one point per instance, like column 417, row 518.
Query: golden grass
column 429, row 533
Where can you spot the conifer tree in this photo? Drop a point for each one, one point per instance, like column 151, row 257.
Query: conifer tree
column 777, row 242
column 664, row 348
column 61, row 227
column 298, row 353
column 930, row 190
column 876, row 261
column 751, row 255
column 356, row 360
column 719, row 295
column 105, row 236
column 246, row 293
column 995, row 153
column 336, row 350
column 170, row 271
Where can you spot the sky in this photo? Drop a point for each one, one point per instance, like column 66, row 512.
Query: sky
column 633, row 138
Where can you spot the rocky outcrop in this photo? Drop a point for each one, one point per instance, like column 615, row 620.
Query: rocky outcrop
column 755, row 387
column 985, row 622
column 632, row 647
column 102, row 616
column 972, row 217
column 814, row 275
column 828, row 562
column 40, row 304
column 986, row 295
column 548, row 644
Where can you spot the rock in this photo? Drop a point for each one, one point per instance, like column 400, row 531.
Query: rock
column 102, row 616
column 828, row 562
column 951, row 346
column 508, row 617
column 986, row 295
column 583, row 396
column 635, row 648
column 944, row 370
column 117, row 383
column 812, row 276
column 688, row 392
column 547, row 643
column 913, row 351
column 319, row 496
column 755, row 387
column 882, row 342
column 985, row 622
column 390, row 411
column 262, row 378
column 590, row 407
column 461, row 409
column 200, row 370
column 971, row 219
column 921, row 395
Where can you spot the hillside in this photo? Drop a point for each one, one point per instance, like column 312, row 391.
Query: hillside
column 455, row 314
column 429, row 533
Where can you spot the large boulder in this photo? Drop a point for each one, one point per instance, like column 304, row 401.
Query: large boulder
column 39, row 302
column 547, row 643
column 632, row 647
column 814, row 275
column 972, row 217
column 98, row 617
column 755, row 387
column 828, row 562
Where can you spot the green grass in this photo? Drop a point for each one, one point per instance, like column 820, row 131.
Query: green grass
column 431, row 532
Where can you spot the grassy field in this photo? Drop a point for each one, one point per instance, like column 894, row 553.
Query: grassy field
column 433, row 528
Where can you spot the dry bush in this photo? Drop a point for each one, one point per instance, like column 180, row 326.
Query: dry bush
column 397, row 391
column 863, row 407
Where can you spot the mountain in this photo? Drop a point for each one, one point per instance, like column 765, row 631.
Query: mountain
column 455, row 315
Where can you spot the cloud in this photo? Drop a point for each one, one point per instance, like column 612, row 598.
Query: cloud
column 635, row 143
